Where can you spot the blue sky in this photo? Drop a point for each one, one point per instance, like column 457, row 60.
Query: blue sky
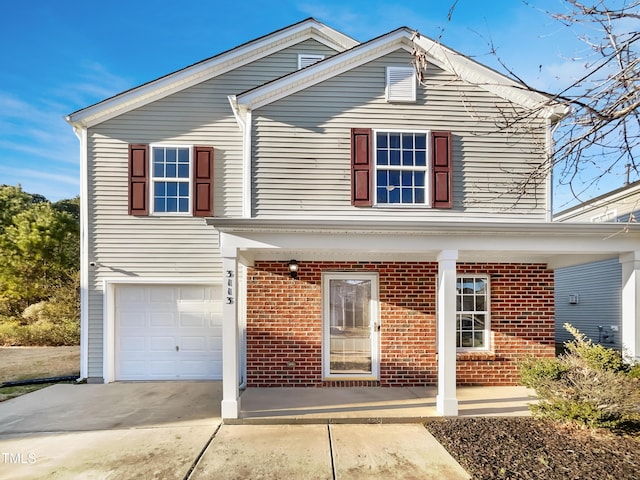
column 59, row 56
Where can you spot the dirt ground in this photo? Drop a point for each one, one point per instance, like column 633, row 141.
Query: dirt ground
column 529, row 448
column 19, row 363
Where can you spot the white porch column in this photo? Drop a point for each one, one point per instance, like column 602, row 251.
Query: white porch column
column 230, row 407
column 446, row 400
column 631, row 305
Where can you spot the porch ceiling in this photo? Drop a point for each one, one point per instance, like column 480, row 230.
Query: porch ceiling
column 556, row 244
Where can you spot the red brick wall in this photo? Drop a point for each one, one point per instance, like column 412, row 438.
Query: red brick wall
column 284, row 323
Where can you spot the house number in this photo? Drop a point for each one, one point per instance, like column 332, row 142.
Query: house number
column 230, row 294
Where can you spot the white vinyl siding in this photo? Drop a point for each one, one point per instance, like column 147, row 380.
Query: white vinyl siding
column 301, row 147
column 180, row 247
column 598, row 286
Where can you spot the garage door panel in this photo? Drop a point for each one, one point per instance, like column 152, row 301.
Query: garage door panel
column 162, row 319
column 163, row 368
column 193, row 344
column 132, row 367
column 197, row 368
column 162, row 344
column 133, row 344
column 162, row 294
column 152, row 320
column 193, row 320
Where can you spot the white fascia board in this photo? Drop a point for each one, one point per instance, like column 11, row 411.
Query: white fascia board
column 225, row 62
column 484, row 77
column 324, row 70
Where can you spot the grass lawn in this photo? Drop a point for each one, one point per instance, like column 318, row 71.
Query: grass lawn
column 20, row 363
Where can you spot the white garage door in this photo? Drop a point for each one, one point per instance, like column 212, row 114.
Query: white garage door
column 168, row 332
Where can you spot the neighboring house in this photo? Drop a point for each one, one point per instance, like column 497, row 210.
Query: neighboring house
column 589, row 296
column 300, row 211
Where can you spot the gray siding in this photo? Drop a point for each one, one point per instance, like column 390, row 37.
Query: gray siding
column 599, row 286
column 301, row 146
column 168, row 247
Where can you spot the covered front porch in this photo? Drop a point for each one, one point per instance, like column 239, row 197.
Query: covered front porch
column 445, row 248
column 374, row 404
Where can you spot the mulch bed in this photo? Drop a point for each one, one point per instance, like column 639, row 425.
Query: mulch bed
column 530, row 448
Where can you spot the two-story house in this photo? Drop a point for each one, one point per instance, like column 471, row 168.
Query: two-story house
column 589, row 296
column 306, row 210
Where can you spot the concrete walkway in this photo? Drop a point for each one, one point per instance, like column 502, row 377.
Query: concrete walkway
column 170, row 430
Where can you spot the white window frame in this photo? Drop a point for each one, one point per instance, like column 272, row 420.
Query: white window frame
column 153, row 179
column 608, row 216
column 486, row 312
column 401, row 84
column 326, row 332
column 426, row 169
column 308, row 59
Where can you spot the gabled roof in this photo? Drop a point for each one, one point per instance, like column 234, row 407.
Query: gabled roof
column 449, row 60
column 210, row 68
column 627, row 196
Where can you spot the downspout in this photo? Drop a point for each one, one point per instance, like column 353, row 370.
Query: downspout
column 246, row 213
column 245, row 126
column 553, row 118
column 81, row 133
column 246, row 166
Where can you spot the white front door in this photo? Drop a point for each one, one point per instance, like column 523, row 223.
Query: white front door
column 351, row 326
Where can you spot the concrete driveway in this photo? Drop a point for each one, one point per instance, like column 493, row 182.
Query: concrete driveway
column 168, row 430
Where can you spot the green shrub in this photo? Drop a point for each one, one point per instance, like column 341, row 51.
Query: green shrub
column 589, row 384
column 39, row 333
column 535, row 371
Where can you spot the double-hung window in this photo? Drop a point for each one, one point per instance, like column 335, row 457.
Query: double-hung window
column 401, row 168
column 171, row 179
column 472, row 312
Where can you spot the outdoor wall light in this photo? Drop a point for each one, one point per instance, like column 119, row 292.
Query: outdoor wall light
column 293, row 268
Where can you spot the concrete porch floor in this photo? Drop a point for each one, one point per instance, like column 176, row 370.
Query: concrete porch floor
column 374, row 404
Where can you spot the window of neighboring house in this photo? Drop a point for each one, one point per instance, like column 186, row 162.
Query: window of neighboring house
column 472, row 312
column 401, row 84
column 306, row 59
column 401, row 168
column 610, row 216
column 171, row 179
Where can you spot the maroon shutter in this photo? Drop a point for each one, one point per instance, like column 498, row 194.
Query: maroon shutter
column 361, row 167
column 442, row 168
column 202, row 181
column 138, row 179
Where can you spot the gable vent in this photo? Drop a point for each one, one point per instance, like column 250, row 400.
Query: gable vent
column 401, row 84
column 306, row 59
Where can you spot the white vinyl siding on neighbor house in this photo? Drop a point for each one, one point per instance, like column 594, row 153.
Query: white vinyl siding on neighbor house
column 121, row 245
column 597, row 291
column 301, row 147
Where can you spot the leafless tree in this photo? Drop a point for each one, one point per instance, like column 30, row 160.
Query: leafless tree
column 602, row 132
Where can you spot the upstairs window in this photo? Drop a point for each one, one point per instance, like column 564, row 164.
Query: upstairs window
column 306, row 59
column 171, row 179
column 401, row 84
column 472, row 312
column 401, row 168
